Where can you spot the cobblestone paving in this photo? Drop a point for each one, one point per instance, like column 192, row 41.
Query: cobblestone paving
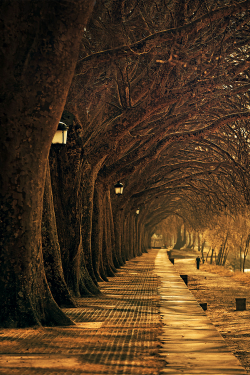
column 115, row 333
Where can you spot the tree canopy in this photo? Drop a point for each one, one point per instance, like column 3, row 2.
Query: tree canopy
column 159, row 100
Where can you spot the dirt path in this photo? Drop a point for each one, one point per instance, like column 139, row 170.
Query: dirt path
column 220, row 292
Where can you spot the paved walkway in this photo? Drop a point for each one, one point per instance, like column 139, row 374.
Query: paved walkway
column 191, row 344
column 145, row 322
column 219, row 291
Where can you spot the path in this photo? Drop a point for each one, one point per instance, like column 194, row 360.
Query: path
column 191, row 344
column 129, row 329
column 115, row 333
column 220, row 292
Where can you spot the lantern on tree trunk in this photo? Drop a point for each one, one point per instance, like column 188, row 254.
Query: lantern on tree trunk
column 61, row 133
column 118, row 188
column 137, row 211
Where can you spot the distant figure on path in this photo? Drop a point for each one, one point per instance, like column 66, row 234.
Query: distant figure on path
column 198, row 259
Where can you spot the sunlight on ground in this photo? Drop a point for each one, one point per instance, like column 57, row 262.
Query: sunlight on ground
column 241, row 277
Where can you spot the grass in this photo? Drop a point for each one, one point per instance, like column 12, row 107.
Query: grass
column 243, row 278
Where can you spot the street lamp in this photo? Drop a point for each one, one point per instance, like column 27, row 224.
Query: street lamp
column 118, row 188
column 61, row 133
column 137, row 211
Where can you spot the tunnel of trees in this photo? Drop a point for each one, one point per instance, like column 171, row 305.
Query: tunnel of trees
column 156, row 95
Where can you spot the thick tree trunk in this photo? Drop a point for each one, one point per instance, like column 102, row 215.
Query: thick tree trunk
column 98, row 233
column 180, row 241
column 106, row 247
column 51, row 250
column 140, row 235
column 67, row 192
column 24, row 293
column 88, row 186
column 131, row 238
column 134, row 238
column 145, row 245
column 118, row 218
column 126, row 243
column 137, row 236
column 147, row 239
column 123, row 240
column 189, row 240
column 114, row 255
column 38, row 61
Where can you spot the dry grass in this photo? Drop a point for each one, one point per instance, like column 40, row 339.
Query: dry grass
column 242, row 278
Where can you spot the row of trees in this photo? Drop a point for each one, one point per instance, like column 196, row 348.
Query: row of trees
column 159, row 100
column 229, row 240
column 224, row 236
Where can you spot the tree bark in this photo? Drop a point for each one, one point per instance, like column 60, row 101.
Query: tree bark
column 114, row 255
column 88, row 186
column 25, row 296
column 106, row 249
column 38, row 62
column 180, row 241
column 51, row 250
column 98, row 233
column 118, row 218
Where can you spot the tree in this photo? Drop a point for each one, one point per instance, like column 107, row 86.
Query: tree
column 152, row 83
column 39, row 50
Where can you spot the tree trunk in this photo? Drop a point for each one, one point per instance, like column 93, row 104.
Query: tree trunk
column 208, row 254
column 114, row 255
column 199, row 242
column 36, row 72
column 132, row 236
column 97, row 234
column 25, row 296
column 88, row 183
column 241, row 245
column 219, row 256
column 51, row 250
column 179, row 241
column 225, row 256
column 126, row 243
column 67, row 184
column 118, row 218
column 106, row 250
column 202, row 248
column 188, row 240
column 140, row 237
column 211, row 257
column 222, row 251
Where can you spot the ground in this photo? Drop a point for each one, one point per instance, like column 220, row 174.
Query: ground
column 118, row 331
column 219, row 287
column 115, row 332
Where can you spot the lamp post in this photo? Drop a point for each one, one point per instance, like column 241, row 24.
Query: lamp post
column 118, row 188
column 61, row 133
